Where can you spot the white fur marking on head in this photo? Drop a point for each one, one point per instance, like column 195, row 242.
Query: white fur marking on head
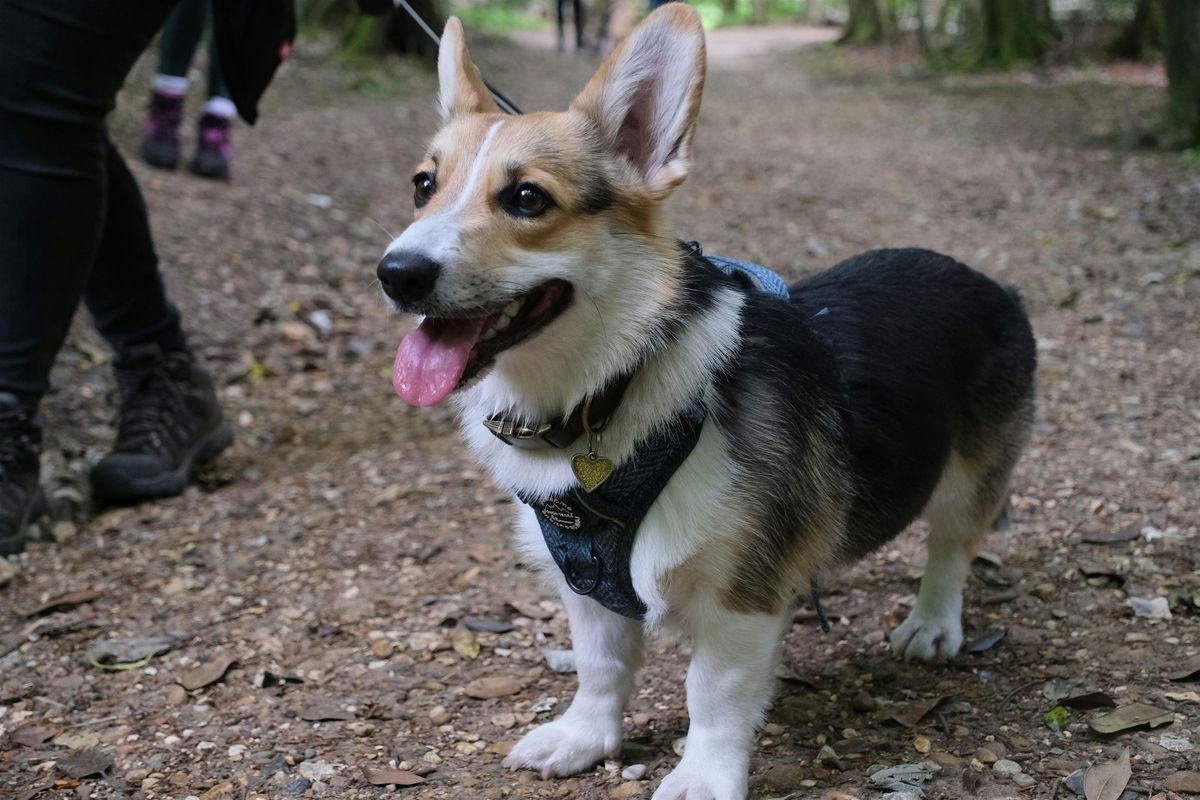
column 437, row 235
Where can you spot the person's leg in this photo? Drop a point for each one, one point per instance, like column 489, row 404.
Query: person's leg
column 579, row 23
column 214, row 143
column 124, row 292
column 177, row 47
column 61, row 64
column 169, row 418
column 562, row 23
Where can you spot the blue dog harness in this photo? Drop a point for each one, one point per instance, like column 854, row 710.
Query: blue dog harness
column 590, row 535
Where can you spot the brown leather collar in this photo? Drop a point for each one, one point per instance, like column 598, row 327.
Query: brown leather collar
column 562, row 432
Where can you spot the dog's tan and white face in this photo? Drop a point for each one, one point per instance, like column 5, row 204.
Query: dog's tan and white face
column 538, row 243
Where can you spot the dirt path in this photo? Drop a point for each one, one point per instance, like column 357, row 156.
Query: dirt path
column 338, row 552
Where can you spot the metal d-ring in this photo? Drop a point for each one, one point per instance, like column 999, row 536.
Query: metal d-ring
column 581, row 587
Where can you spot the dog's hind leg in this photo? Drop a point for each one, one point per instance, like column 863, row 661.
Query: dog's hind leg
column 966, row 503
column 608, row 653
column 729, row 684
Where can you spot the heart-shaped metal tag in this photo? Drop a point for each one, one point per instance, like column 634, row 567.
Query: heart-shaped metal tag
column 591, row 470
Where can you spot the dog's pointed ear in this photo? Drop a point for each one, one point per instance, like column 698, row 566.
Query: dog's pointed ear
column 461, row 87
column 646, row 97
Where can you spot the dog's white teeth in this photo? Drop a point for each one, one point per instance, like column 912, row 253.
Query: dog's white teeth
column 511, row 309
column 502, row 322
column 489, row 334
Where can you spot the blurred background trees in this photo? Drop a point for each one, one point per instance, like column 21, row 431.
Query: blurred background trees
column 951, row 34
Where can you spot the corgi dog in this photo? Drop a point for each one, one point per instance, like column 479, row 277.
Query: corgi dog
column 761, row 441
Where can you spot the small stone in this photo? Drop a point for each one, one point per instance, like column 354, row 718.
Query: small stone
column 561, row 660
column 641, row 719
column 177, row 695
column 63, row 531
column 922, row 745
column 900, row 796
column 863, row 702
column 8, row 571
column 488, row 688
column 633, row 772
column 628, row 789
column 318, row 770
column 987, row 755
column 382, row 648
column 1005, row 768
column 678, row 745
column 1176, row 742
column 544, row 705
column 1045, row 591
column 828, row 757
column 1183, row 783
column 773, row 729
column 298, row 785
column 1150, row 608
column 1024, row 780
column 504, row 721
column 945, row 760
column 439, row 715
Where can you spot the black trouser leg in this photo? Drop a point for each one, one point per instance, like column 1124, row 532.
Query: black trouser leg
column 61, row 64
column 181, row 36
column 124, row 292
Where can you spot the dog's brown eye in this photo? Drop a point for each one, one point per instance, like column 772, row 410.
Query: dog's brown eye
column 527, row 200
column 424, row 186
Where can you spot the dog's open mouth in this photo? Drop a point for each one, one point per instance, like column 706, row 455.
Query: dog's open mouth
column 443, row 353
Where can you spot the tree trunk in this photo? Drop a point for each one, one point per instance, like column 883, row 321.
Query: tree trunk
column 403, row 35
column 728, row 7
column 1182, row 21
column 865, row 23
column 757, row 12
column 1143, row 33
column 922, row 28
column 1016, row 30
column 814, row 14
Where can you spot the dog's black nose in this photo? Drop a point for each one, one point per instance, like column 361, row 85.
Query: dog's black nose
column 408, row 277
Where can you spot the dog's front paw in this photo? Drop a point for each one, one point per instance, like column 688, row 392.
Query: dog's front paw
column 705, row 778
column 928, row 636
column 565, row 746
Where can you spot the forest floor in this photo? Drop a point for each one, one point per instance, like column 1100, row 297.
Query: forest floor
column 345, row 548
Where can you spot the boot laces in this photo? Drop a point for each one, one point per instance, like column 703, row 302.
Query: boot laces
column 153, row 403
column 16, row 439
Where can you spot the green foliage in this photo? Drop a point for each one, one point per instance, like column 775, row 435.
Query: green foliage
column 498, row 17
column 1056, row 718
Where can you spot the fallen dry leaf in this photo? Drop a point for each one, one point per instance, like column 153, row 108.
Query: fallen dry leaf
column 1133, row 715
column 83, row 763
column 64, row 601
column 322, row 711
column 1190, row 670
column 913, row 713
column 987, row 641
column 221, row 790
column 466, row 644
column 1107, row 781
column 1126, row 534
column 1088, row 700
column 487, row 688
column 1183, row 697
column 34, row 735
column 207, row 673
column 391, row 776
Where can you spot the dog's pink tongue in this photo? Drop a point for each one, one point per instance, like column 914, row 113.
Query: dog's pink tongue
column 431, row 360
